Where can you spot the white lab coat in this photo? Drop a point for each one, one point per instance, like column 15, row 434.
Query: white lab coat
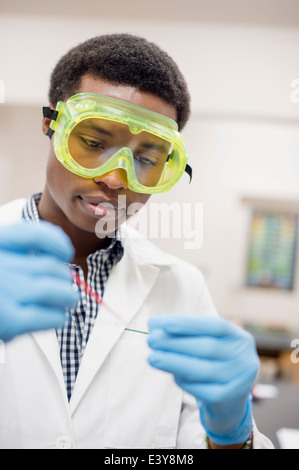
column 119, row 401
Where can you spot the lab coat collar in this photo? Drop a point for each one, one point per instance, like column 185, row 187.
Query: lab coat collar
column 11, row 212
column 143, row 251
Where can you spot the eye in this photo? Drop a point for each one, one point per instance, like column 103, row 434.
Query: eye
column 92, row 143
column 144, row 161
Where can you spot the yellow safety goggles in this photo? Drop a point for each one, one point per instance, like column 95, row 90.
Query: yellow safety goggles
column 95, row 135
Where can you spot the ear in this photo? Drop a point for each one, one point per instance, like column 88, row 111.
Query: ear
column 47, row 122
column 46, row 125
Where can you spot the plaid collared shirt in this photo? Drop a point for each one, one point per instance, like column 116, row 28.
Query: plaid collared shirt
column 73, row 337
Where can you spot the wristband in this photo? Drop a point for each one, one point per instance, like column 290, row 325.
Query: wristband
column 247, row 444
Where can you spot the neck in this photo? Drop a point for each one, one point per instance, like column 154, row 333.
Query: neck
column 84, row 242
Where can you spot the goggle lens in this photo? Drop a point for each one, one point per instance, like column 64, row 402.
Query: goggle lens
column 93, row 143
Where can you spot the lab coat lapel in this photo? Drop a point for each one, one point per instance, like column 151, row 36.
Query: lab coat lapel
column 126, row 289
column 48, row 343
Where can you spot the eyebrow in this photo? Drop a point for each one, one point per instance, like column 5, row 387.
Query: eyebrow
column 148, row 146
column 158, row 147
column 96, row 128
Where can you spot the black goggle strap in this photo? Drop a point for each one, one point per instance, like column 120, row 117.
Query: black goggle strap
column 188, row 170
column 50, row 114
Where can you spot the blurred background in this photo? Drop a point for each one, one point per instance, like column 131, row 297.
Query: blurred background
column 240, row 59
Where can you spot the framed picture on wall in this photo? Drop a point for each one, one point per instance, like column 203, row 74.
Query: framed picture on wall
column 272, row 249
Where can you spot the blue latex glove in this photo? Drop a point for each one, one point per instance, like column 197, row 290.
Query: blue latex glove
column 35, row 283
column 216, row 362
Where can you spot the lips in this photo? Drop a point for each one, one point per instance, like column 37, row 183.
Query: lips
column 99, row 207
column 97, row 201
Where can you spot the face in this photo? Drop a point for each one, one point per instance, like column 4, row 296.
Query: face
column 71, row 200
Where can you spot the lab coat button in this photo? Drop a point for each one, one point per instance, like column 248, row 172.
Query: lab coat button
column 63, row 442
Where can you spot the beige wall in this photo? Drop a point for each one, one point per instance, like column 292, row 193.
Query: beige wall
column 243, row 137
column 23, row 151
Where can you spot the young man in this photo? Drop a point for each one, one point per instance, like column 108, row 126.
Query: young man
column 93, row 383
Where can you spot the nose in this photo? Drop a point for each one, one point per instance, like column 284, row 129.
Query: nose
column 114, row 179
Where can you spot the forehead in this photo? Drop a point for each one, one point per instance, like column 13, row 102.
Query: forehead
column 113, row 131
column 129, row 94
